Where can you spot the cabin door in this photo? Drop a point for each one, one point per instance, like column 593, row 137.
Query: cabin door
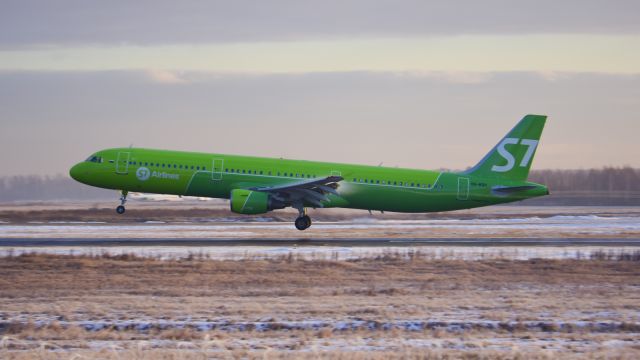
column 122, row 163
column 463, row 188
column 216, row 169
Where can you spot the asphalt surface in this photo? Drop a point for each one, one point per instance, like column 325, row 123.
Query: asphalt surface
column 351, row 242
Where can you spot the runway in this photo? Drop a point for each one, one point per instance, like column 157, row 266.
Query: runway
column 470, row 238
column 301, row 242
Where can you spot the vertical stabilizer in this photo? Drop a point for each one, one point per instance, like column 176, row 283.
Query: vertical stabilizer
column 511, row 158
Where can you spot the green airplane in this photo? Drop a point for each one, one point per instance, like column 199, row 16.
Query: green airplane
column 256, row 185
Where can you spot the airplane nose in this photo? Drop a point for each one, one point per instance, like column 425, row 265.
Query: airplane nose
column 75, row 172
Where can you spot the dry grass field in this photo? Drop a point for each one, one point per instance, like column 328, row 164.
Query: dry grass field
column 130, row 307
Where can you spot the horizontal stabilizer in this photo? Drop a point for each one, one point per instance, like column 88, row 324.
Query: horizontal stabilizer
column 508, row 190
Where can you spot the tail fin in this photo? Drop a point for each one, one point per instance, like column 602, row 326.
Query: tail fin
column 513, row 155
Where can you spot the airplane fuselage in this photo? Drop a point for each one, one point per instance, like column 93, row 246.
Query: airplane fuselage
column 362, row 187
column 256, row 185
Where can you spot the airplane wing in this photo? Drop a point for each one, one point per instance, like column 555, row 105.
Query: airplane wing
column 313, row 191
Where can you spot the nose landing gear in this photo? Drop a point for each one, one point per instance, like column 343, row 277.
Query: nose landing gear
column 303, row 221
column 123, row 199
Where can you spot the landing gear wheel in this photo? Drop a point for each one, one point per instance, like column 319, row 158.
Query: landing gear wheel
column 308, row 220
column 123, row 199
column 303, row 222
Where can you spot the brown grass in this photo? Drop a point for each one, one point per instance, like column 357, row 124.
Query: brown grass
column 78, row 288
column 391, row 275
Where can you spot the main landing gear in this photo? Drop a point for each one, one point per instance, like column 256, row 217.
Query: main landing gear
column 303, row 221
column 123, row 199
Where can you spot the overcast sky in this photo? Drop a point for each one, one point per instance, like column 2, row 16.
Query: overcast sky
column 421, row 84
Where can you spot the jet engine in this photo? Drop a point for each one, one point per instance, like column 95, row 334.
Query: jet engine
column 251, row 202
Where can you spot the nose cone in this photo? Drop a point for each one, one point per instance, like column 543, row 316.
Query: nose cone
column 76, row 172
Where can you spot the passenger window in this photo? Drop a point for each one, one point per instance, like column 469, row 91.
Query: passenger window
column 191, row 167
column 377, row 181
column 260, row 172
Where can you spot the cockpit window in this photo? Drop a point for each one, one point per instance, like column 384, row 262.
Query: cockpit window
column 94, row 159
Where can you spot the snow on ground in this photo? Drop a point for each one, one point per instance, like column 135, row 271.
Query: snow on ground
column 457, row 326
column 330, row 252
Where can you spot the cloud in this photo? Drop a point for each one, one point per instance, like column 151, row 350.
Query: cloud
column 457, row 55
column 553, row 76
column 417, row 121
column 165, row 76
column 462, row 77
column 32, row 22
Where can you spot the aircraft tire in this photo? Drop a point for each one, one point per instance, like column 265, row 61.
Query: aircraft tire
column 303, row 222
column 308, row 220
column 120, row 209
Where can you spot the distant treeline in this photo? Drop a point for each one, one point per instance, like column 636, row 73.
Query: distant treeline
column 606, row 186
column 609, row 186
column 606, row 179
column 37, row 188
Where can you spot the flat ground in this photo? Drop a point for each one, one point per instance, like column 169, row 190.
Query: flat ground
column 59, row 306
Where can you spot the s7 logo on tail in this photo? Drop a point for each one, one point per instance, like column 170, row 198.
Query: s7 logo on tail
column 531, row 148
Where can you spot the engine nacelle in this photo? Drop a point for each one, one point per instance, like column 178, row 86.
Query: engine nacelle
column 251, row 202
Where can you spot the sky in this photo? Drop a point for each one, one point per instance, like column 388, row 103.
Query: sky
column 419, row 84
